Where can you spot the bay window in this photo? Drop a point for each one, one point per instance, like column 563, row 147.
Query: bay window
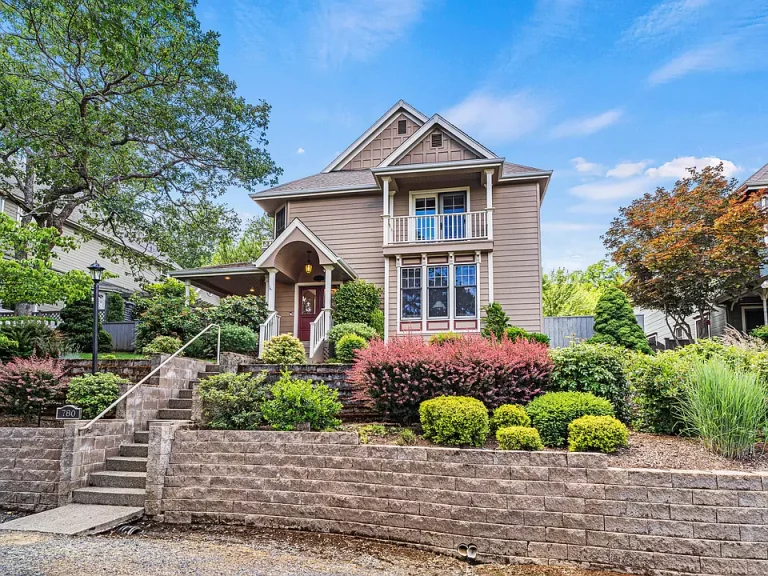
column 465, row 286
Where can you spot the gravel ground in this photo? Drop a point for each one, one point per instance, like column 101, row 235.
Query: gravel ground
column 219, row 550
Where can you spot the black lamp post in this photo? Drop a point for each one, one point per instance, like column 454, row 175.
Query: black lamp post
column 96, row 271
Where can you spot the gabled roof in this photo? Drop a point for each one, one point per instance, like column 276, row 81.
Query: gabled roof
column 401, row 107
column 759, row 179
column 323, row 182
column 422, row 133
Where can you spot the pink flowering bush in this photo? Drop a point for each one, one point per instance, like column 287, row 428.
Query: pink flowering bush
column 404, row 372
column 27, row 385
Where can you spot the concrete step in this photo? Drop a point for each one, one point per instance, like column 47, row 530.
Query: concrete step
column 180, row 403
column 127, row 464
column 138, row 450
column 213, row 368
column 76, row 519
column 185, row 394
column 119, row 479
column 109, row 496
column 206, row 374
column 174, row 414
column 141, row 437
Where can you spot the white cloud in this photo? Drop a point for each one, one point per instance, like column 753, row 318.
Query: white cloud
column 703, row 59
column 677, row 168
column 498, row 118
column 588, row 125
column 626, row 169
column 300, row 150
column 345, row 30
column 584, row 167
column 666, row 18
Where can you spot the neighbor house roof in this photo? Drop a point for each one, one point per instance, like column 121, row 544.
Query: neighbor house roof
column 759, row 179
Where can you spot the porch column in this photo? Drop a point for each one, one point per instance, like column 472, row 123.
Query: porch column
column 489, row 203
column 271, row 289
column 385, row 213
column 327, row 294
column 764, row 296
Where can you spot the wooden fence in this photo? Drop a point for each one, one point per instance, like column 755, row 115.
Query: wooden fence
column 123, row 335
column 562, row 330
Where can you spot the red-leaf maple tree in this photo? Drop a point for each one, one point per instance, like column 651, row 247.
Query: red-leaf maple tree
column 684, row 248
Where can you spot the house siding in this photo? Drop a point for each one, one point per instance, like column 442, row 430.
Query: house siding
column 424, row 153
column 284, row 302
column 382, row 146
column 517, row 253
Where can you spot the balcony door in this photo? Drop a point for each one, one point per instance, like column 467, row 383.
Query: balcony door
column 439, row 216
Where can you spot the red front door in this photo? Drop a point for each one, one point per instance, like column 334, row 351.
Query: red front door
column 310, row 305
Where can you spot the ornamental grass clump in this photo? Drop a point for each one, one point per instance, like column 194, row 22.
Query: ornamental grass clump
column 454, row 421
column 400, row 374
column 724, row 406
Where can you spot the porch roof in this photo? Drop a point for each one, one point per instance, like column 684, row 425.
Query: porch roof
column 240, row 278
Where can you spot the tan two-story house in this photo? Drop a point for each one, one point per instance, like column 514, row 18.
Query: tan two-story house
column 437, row 220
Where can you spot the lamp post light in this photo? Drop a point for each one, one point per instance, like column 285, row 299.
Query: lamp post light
column 96, row 271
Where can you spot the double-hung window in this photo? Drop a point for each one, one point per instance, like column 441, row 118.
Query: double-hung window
column 437, row 292
column 465, row 286
column 410, row 293
column 279, row 221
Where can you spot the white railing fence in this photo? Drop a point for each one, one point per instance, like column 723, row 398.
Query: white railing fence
column 318, row 331
column 268, row 330
column 438, row 227
column 148, row 376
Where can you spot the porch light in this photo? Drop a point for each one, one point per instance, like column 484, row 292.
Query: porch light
column 226, row 277
column 251, row 289
column 96, row 271
column 308, row 265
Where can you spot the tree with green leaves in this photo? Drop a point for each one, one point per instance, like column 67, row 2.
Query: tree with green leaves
column 248, row 247
column 615, row 322
column 575, row 293
column 116, row 114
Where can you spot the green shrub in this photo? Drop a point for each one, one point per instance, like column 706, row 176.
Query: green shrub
column 760, row 332
column 347, row 347
column 284, row 349
column 248, row 311
column 377, row 322
column 725, row 407
column 515, row 332
column 615, row 322
column 509, row 415
column 655, row 382
column 519, row 438
column 239, row 339
column 496, row 321
column 31, row 335
column 602, row 433
column 338, row 331
column 8, row 348
column 356, row 301
column 551, row 413
column 406, row 437
column 94, row 392
column 233, row 401
column 27, row 385
column 538, row 337
column 365, row 433
column 77, row 327
column 595, row 368
column 442, row 337
column 295, row 402
column 162, row 345
column 454, row 421
column 167, row 288
column 115, row 307
column 167, row 316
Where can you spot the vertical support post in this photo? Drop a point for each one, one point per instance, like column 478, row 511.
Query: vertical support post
column 271, row 289
column 186, row 290
column 451, row 291
column 764, row 296
column 328, row 286
column 489, row 203
column 490, row 277
column 386, row 298
column 385, row 212
column 95, row 355
column 424, row 293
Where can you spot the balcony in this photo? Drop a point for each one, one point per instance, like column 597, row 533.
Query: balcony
column 437, row 228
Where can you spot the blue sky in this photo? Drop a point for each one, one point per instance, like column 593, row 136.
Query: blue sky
column 617, row 97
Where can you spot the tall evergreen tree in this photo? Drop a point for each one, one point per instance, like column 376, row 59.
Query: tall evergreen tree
column 615, row 322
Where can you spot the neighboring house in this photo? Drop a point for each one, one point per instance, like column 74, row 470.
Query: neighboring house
column 88, row 252
column 442, row 224
column 744, row 311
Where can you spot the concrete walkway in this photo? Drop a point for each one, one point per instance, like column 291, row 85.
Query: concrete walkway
column 75, row 519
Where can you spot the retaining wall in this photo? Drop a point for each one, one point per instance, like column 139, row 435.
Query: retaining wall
column 133, row 370
column 29, row 468
column 519, row 507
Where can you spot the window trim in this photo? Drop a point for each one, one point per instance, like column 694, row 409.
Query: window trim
column 476, row 266
column 413, row 194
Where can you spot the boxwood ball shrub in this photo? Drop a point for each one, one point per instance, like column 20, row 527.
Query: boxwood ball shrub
column 519, row 438
column 454, row 421
column 337, row 331
column 443, row 337
column 402, row 373
column 509, row 415
column 233, row 401
column 27, row 385
column 602, row 433
column 284, row 349
column 94, row 392
column 347, row 347
column 595, row 368
column 356, row 301
column 162, row 345
column 551, row 413
column 294, row 402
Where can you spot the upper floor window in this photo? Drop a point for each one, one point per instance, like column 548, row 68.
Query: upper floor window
column 402, row 126
column 440, row 215
column 279, row 221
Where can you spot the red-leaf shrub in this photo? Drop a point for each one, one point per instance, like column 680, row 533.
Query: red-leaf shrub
column 402, row 373
column 29, row 384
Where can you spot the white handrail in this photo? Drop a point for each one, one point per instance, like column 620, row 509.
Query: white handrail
column 318, row 331
column 163, row 363
column 438, row 227
column 268, row 330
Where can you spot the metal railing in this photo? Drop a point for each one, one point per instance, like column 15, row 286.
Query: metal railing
column 438, row 228
column 163, row 363
column 318, row 331
column 268, row 330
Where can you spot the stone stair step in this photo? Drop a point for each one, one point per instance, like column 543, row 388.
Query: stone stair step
column 213, row 368
column 180, row 403
column 118, row 479
column 185, row 394
column 109, row 496
column 204, row 375
column 127, row 464
column 139, row 450
column 141, row 437
column 174, row 414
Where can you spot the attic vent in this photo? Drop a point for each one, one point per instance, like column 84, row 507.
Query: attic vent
column 401, row 126
column 437, row 140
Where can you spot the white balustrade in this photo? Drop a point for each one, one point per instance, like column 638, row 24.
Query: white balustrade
column 318, row 331
column 268, row 330
column 438, row 228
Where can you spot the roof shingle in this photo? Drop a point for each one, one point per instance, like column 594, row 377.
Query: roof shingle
column 759, row 177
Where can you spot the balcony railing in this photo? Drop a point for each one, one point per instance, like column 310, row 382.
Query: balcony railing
column 438, row 228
